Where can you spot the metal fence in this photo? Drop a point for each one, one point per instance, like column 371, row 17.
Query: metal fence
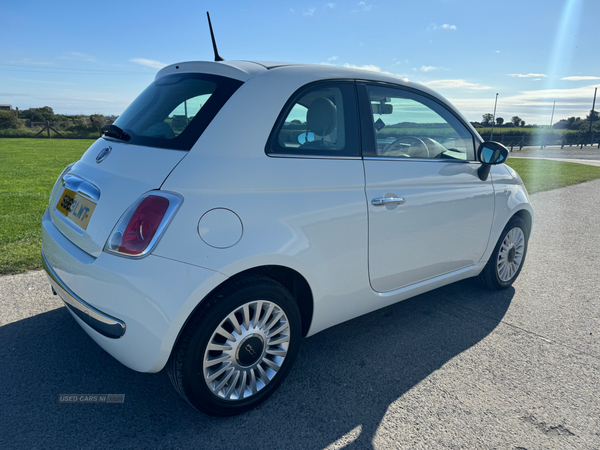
column 545, row 139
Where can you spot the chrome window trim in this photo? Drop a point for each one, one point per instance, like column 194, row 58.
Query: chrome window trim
column 104, row 324
column 387, row 158
column 282, row 155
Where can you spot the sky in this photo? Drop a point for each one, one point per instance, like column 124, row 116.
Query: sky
column 96, row 57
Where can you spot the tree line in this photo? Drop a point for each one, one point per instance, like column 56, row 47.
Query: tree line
column 29, row 118
column 572, row 123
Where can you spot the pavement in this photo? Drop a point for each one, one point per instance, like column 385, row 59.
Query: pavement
column 555, row 152
column 460, row 367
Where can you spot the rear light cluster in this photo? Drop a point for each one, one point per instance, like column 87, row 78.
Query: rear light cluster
column 140, row 228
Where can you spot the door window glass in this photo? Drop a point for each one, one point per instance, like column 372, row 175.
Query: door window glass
column 319, row 121
column 407, row 125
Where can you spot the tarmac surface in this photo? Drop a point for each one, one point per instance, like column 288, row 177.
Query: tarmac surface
column 460, row 367
column 586, row 153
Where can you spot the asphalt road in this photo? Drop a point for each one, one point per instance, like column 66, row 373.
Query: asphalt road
column 586, row 153
column 459, row 367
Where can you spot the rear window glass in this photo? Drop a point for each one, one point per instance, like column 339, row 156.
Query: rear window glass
column 174, row 110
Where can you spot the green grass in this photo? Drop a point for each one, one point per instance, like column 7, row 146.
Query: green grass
column 28, row 170
column 541, row 175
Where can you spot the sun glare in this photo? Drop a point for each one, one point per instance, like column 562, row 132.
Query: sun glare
column 563, row 46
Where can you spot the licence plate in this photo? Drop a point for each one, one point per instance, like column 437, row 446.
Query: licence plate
column 75, row 207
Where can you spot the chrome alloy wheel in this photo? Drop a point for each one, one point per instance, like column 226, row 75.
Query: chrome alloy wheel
column 246, row 350
column 510, row 255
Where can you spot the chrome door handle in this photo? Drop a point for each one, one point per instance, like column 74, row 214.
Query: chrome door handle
column 387, row 201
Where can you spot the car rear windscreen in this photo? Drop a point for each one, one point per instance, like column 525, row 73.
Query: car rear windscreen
column 176, row 109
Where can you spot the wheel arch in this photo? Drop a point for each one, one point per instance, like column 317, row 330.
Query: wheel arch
column 527, row 218
column 291, row 279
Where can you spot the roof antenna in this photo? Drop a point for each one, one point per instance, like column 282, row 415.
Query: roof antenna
column 212, row 35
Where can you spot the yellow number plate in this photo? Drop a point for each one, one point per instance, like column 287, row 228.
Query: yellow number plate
column 75, row 207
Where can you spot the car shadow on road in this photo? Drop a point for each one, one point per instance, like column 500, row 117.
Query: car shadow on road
column 345, row 377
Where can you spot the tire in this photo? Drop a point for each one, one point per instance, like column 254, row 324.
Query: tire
column 508, row 257
column 253, row 328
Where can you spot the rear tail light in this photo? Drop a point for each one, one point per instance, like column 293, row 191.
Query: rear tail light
column 140, row 228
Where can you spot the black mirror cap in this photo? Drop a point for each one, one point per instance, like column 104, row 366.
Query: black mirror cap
column 491, row 153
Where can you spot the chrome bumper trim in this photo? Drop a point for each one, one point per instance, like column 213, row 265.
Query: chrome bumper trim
column 103, row 323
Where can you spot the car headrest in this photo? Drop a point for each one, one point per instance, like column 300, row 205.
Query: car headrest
column 321, row 117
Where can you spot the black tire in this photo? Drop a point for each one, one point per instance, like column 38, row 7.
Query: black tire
column 243, row 297
column 491, row 276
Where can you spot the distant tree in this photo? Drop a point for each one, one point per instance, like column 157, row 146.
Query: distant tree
column 296, row 122
column 571, row 122
column 516, row 120
column 111, row 119
column 561, row 125
column 487, row 120
column 9, row 119
column 594, row 116
column 42, row 114
column 98, row 121
column 476, row 124
column 499, row 121
column 522, row 123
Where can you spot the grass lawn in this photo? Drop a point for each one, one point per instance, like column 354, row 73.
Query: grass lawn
column 29, row 168
column 541, row 175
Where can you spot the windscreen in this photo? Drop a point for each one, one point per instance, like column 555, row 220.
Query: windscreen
column 174, row 110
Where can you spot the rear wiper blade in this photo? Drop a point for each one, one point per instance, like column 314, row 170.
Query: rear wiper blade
column 116, row 132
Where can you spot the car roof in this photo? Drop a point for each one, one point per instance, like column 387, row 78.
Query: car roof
column 244, row 70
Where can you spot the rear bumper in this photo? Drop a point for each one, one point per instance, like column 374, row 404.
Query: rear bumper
column 102, row 323
column 133, row 308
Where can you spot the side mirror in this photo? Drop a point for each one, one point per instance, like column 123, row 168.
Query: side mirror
column 490, row 153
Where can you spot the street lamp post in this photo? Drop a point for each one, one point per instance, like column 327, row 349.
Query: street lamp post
column 494, row 118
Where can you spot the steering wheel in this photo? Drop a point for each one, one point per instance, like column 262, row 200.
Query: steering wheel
column 414, row 151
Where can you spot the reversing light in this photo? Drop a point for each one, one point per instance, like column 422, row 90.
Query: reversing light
column 140, row 228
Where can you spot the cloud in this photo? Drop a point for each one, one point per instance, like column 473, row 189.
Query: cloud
column 310, row 12
column 148, row 63
column 454, row 84
column 446, row 26
column 577, row 78
column 329, row 5
column 30, row 62
column 531, row 105
column 78, row 56
column 363, row 6
column 428, row 68
column 497, row 51
column 333, row 58
column 528, row 75
column 371, row 67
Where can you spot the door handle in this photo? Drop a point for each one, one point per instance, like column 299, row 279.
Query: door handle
column 387, row 201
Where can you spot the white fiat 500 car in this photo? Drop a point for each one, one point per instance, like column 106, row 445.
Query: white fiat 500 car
column 236, row 207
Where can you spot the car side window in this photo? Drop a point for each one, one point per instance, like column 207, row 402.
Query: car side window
column 318, row 120
column 408, row 125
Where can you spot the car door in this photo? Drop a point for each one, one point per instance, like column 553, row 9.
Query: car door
column 429, row 213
